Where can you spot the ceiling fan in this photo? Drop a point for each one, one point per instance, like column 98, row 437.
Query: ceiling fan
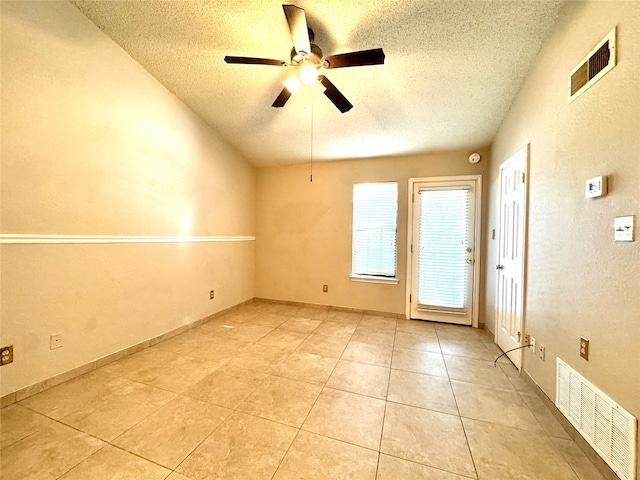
column 307, row 58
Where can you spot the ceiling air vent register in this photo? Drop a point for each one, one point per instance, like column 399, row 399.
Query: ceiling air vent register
column 594, row 66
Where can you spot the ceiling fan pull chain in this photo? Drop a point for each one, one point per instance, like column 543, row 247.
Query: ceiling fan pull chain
column 311, row 162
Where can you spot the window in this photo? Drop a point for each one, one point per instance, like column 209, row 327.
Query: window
column 375, row 230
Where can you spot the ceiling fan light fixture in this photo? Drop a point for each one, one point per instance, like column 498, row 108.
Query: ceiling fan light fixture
column 292, row 84
column 308, row 73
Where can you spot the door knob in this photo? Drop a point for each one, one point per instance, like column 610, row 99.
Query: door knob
column 499, row 267
column 469, row 261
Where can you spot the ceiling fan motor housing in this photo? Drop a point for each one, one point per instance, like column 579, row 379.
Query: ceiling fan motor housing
column 315, row 56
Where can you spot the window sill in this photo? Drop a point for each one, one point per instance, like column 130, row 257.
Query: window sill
column 367, row 279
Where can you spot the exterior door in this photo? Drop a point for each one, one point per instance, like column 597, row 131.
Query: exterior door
column 512, row 255
column 444, row 243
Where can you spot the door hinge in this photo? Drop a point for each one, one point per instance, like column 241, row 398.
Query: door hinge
column 409, row 298
column 413, row 197
column 522, row 177
column 412, row 248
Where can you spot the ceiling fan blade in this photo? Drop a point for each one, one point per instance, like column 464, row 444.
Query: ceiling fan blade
column 285, row 94
column 297, row 21
column 333, row 94
column 356, row 59
column 255, row 61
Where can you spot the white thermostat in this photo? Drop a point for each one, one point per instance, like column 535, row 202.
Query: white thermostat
column 595, row 187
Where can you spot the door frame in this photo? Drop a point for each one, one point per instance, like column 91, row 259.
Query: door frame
column 524, row 152
column 475, row 305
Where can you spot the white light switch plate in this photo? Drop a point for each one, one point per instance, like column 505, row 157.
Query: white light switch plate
column 623, row 229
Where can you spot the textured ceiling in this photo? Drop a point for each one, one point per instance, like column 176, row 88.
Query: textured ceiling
column 452, row 69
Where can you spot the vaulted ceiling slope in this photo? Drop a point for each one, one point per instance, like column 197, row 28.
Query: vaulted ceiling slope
column 451, row 71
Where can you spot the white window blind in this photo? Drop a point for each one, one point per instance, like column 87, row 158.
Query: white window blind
column 443, row 233
column 375, row 226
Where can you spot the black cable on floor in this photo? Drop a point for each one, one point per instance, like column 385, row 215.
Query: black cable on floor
column 495, row 362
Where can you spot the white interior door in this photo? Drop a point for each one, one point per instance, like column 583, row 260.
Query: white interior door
column 511, row 255
column 444, row 240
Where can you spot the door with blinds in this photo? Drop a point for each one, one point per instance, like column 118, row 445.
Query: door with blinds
column 444, row 264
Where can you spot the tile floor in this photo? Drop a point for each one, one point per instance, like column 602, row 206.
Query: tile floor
column 282, row 392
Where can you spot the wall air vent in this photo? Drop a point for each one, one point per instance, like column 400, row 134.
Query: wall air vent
column 594, row 66
column 608, row 427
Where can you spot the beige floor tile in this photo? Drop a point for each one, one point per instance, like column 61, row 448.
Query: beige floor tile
column 261, row 358
column 392, row 468
column 313, row 313
column 462, row 333
column 174, row 431
column 282, row 400
column 323, row 345
column 579, row 462
column 162, row 369
column 385, row 324
column 347, row 416
column 18, row 422
column 243, row 447
column 419, row 362
column 514, row 377
column 184, row 343
column 346, row 318
column 419, row 390
column 117, row 412
column 219, row 326
column 219, row 350
column 307, row 367
column 102, row 465
column 239, row 315
column 470, row 349
column 300, row 324
column 178, row 476
column 427, row 437
column 313, row 457
column 548, row 422
column 269, row 320
column 48, row 454
column 276, row 308
column 361, row 378
column 495, row 405
column 415, row 326
column 476, row 371
column 368, row 353
column 178, row 374
column 335, row 329
column 424, row 341
column 228, row 387
column 248, row 332
column 66, row 398
column 373, row 335
column 285, row 339
column 504, row 453
column 497, row 353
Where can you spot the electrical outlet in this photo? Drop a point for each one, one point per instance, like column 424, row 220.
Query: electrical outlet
column 527, row 339
column 584, row 348
column 541, row 351
column 325, row 288
column 55, row 341
column 533, row 345
column 6, row 355
column 211, row 294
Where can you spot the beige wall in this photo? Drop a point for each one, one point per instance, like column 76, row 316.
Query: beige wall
column 93, row 145
column 579, row 281
column 303, row 229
